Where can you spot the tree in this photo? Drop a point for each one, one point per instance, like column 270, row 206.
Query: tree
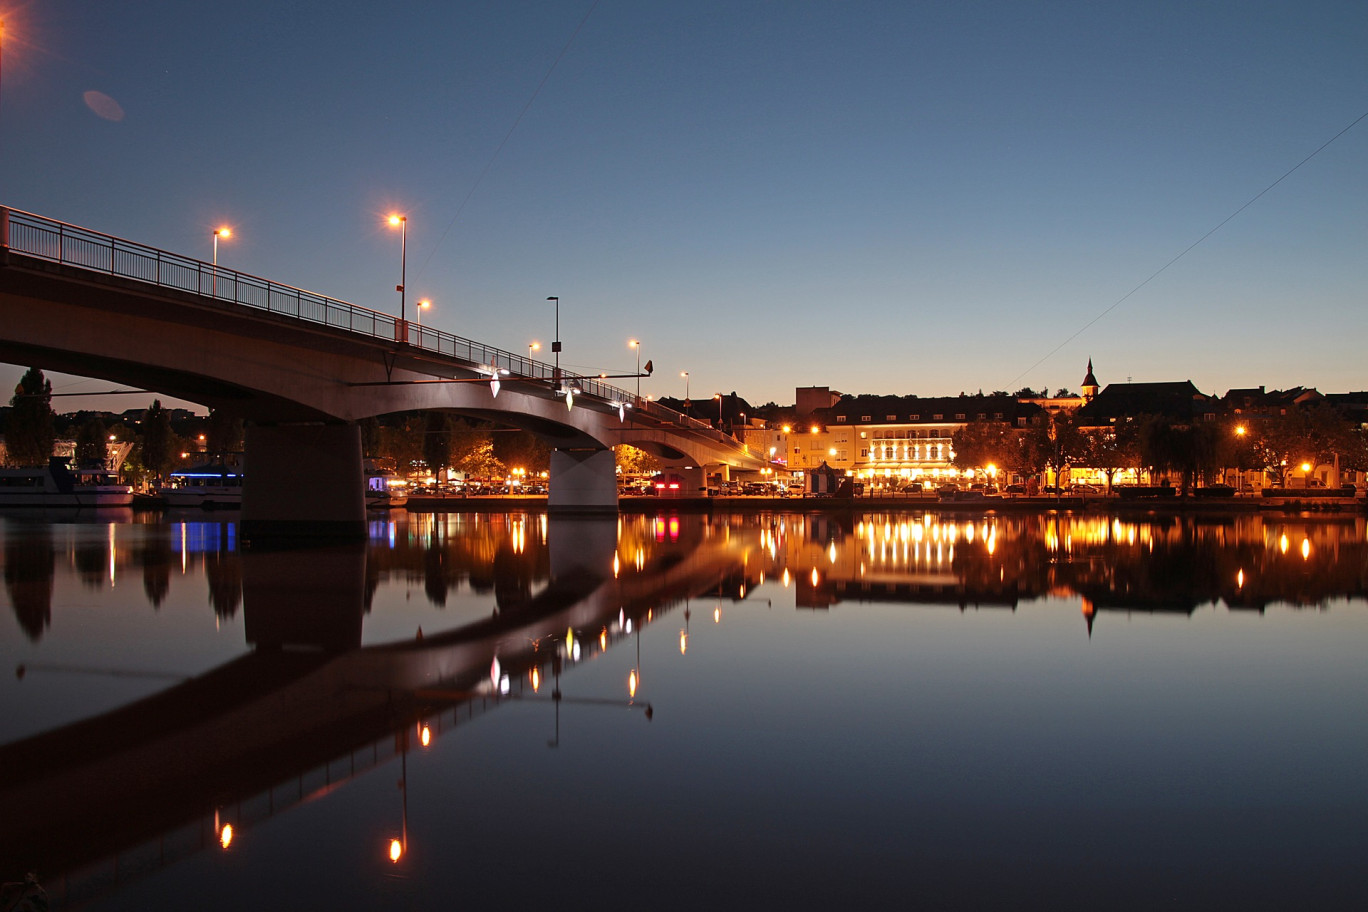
column 1056, row 444
column 30, row 433
column 92, row 444
column 522, row 450
column 437, row 427
column 980, row 444
column 1113, row 449
column 225, row 433
column 158, row 442
column 632, row 461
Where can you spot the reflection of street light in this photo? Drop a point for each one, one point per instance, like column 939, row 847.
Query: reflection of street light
column 401, row 222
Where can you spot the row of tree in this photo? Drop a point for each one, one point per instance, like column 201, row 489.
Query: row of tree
column 1200, row 452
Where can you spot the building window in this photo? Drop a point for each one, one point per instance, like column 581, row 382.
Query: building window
column 939, row 418
column 840, row 419
column 997, row 415
column 914, row 417
column 959, row 416
column 892, row 417
column 864, row 452
column 865, row 418
column 1021, row 422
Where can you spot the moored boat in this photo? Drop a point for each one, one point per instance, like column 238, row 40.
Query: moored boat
column 214, row 485
column 60, row 485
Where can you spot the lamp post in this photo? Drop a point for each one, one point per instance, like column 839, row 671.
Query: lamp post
column 224, row 232
column 401, row 222
column 685, row 375
column 555, row 344
column 421, row 305
column 635, row 343
column 718, row 397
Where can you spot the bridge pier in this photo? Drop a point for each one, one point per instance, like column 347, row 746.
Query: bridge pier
column 303, row 481
column 583, row 480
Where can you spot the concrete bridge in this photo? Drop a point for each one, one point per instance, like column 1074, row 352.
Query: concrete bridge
column 301, row 369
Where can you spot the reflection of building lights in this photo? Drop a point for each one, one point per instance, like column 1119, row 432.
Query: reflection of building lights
column 226, row 835
column 815, row 577
column 1306, row 548
column 1282, row 544
column 786, row 579
column 1239, row 579
column 425, row 736
column 396, row 850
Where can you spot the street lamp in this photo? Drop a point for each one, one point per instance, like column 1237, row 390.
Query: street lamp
column 401, row 222
column 532, row 347
column 718, row 397
column 422, row 304
column 555, row 345
column 634, row 343
column 224, row 232
column 685, row 375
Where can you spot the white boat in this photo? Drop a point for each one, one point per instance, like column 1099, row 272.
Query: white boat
column 384, row 490
column 204, row 486
column 60, row 485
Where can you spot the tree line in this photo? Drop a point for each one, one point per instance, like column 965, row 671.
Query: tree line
column 1162, row 449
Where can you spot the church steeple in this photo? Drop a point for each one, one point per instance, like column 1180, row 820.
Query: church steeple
column 1090, row 386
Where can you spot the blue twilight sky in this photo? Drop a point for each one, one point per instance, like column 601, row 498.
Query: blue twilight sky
column 881, row 197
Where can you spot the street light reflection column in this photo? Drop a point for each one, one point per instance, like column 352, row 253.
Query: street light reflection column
column 401, row 222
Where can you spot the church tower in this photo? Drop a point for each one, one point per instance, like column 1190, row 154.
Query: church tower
column 1089, row 385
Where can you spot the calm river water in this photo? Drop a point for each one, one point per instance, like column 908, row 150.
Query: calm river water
column 683, row 712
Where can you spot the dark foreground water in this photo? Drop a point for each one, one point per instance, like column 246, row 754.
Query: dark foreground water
column 753, row 712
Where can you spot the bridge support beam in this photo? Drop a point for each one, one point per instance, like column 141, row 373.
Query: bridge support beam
column 583, row 481
column 303, row 481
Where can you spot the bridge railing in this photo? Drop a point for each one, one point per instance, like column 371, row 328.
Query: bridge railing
column 70, row 245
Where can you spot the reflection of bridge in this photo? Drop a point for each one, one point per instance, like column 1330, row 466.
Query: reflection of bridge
column 86, row 793
column 302, row 368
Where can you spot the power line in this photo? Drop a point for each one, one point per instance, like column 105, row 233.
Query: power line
column 1084, row 328
column 509, row 135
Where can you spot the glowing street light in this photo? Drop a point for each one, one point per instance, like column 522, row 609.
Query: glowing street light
column 718, row 397
column 685, row 375
column 425, row 303
column 532, row 347
column 221, row 232
column 401, row 222
column 636, row 343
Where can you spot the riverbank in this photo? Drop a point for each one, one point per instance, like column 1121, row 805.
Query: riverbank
column 911, row 503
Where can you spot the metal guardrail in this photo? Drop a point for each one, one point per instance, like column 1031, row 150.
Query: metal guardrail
column 70, row 245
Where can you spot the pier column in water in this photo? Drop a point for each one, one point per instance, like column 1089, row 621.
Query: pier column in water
column 583, row 479
column 303, row 481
